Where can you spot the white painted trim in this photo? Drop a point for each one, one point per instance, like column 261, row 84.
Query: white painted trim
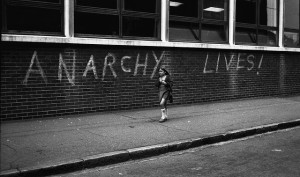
column 71, row 17
column 66, row 18
column 281, row 23
column 232, row 11
column 94, row 41
column 164, row 20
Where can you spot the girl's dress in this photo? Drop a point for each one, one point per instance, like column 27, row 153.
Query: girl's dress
column 164, row 89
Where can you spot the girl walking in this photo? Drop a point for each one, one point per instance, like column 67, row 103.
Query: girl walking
column 164, row 85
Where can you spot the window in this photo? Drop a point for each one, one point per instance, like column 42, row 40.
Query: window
column 32, row 17
column 117, row 18
column 256, row 22
column 199, row 21
column 291, row 23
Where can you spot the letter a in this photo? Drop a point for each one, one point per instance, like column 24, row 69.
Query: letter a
column 93, row 67
column 39, row 70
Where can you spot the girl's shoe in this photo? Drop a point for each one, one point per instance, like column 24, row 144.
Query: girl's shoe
column 162, row 120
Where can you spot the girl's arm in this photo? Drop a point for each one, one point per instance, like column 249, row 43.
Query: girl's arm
column 168, row 81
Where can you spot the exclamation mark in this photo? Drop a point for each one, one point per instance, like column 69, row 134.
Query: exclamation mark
column 259, row 65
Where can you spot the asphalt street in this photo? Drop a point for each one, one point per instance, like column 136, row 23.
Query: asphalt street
column 274, row 154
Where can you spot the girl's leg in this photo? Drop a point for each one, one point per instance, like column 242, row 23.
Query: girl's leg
column 165, row 108
column 163, row 101
column 163, row 105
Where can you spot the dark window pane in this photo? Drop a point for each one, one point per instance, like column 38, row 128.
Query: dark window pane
column 112, row 4
column 216, row 9
column 183, row 31
column 246, row 11
column 291, row 16
column 52, row 1
column 140, row 5
column 268, row 12
column 267, row 37
column 184, row 8
column 33, row 19
column 245, row 35
column 291, row 39
column 139, row 27
column 88, row 23
column 213, row 33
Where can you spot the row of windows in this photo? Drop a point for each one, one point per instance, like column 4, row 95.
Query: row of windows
column 256, row 21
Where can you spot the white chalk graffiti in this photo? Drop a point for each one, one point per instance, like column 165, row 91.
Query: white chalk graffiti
column 126, row 70
column 93, row 67
column 38, row 71
column 137, row 64
column 62, row 63
column 250, row 59
column 109, row 62
column 243, row 59
column 260, row 62
column 158, row 61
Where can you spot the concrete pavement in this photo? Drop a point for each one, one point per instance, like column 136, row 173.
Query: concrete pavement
column 63, row 144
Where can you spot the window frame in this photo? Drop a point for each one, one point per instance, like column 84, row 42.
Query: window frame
column 120, row 12
column 257, row 26
column 67, row 34
column 291, row 30
column 35, row 4
column 200, row 21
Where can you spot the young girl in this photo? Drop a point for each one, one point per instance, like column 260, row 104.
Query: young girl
column 164, row 85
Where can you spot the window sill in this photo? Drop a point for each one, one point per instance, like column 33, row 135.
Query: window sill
column 94, row 41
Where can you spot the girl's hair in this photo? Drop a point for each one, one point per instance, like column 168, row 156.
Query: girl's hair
column 166, row 72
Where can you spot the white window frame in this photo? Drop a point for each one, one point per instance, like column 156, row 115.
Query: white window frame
column 70, row 39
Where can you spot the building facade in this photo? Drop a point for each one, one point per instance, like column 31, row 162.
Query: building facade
column 70, row 57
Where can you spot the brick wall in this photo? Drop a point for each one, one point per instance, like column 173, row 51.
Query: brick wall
column 52, row 80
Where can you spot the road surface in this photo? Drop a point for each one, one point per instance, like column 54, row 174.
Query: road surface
column 275, row 154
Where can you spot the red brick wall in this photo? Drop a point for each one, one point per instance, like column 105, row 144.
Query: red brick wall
column 51, row 80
